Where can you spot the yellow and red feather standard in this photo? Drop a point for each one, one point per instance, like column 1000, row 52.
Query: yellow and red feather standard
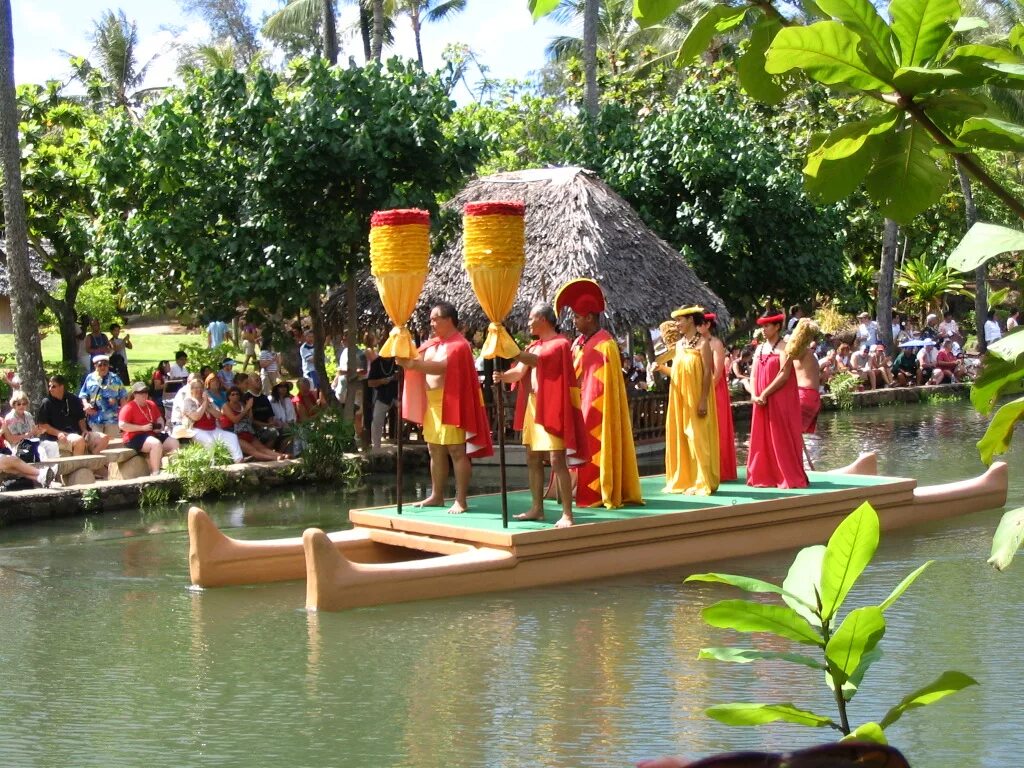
column 399, row 253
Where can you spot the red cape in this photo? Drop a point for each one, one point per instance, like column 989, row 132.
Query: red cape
column 558, row 398
column 463, row 404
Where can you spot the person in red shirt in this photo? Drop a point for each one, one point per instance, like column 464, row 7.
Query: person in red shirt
column 141, row 425
column 945, row 364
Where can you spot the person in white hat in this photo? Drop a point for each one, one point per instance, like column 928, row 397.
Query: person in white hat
column 102, row 394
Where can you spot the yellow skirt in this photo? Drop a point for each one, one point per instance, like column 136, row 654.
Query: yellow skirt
column 535, row 437
column 436, row 431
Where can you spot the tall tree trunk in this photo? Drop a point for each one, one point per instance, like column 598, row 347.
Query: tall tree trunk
column 366, row 31
column 377, row 41
column 590, row 22
column 416, row 26
column 330, row 33
column 981, row 273
column 23, row 304
column 886, row 274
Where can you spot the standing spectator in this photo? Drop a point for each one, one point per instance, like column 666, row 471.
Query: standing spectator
column 249, row 338
column 217, row 332
column 96, row 342
column 179, row 368
column 157, row 381
column 948, row 328
column 307, row 352
column 270, row 362
column 992, row 332
column 795, row 313
column 61, row 418
column 142, row 430
column 82, row 337
column 867, row 332
column 1013, row 320
column 118, row 351
column 383, row 380
column 102, row 395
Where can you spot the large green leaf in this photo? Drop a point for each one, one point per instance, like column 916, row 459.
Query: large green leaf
column 750, row 66
column 906, row 179
column 704, row 29
column 1007, row 539
column 759, row 714
column 747, row 616
column 849, row 139
column 922, row 27
column 1010, row 347
column 803, row 581
column 996, row 439
column 849, row 550
column 860, row 632
column 967, row 23
column 990, row 133
column 541, row 8
column 1005, row 75
column 867, row 732
column 981, row 54
column 947, row 684
column 862, row 17
column 828, row 181
column 903, row 585
column 650, row 12
column 996, row 376
column 983, row 242
column 827, row 51
column 747, row 655
column 852, row 685
column 911, row 81
column 745, row 583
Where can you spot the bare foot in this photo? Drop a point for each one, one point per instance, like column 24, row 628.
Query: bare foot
column 534, row 516
column 430, row 501
column 564, row 522
column 457, row 508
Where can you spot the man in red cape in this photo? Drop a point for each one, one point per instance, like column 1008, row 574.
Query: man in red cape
column 548, row 411
column 442, row 393
column 611, row 477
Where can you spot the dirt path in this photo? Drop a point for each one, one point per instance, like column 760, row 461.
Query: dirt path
column 158, row 329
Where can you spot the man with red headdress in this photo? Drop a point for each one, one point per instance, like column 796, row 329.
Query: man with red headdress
column 548, row 411
column 610, row 478
column 442, row 393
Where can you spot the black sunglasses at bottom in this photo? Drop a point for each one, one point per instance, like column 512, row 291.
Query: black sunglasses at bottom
column 839, row 755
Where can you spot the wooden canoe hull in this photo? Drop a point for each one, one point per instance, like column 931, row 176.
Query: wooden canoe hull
column 336, row 582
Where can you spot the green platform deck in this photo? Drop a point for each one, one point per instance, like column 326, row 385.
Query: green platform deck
column 484, row 512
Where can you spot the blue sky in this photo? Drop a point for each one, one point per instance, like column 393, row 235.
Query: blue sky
column 501, row 32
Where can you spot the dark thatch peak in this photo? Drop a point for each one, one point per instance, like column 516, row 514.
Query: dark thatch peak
column 576, row 226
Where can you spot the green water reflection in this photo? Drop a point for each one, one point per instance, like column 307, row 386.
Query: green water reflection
column 109, row 660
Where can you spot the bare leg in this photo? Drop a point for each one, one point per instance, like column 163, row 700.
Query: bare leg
column 438, row 476
column 535, row 463
column 154, row 451
column 560, row 469
column 77, row 444
column 15, row 466
column 463, row 471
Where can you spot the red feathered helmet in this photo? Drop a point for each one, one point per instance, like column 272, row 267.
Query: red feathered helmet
column 583, row 296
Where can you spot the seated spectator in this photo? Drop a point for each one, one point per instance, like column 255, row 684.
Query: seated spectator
column 948, row 328
column 265, row 425
column 880, row 364
column 237, row 415
column 308, row 401
column 142, row 428
column 61, row 418
column 19, row 428
column 202, row 414
column 178, row 403
column 226, row 374
column 102, row 395
column 158, row 381
column 179, row 368
column 215, row 390
column 860, row 365
column 905, row 369
column 825, row 345
column 1013, row 319
column 926, row 360
column 12, row 465
column 931, row 327
column 843, row 359
column 739, row 372
column 867, row 331
column 284, row 412
column 946, row 363
column 992, row 332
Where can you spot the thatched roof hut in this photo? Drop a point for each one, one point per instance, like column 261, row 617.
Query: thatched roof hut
column 576, row 226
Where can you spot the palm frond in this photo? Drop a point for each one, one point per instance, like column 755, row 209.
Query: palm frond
column 297, row 16
column 443, row 10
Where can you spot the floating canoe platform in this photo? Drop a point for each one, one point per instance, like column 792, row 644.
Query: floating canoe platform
column 427, row 553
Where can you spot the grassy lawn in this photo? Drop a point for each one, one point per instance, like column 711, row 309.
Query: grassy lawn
column 148, row 349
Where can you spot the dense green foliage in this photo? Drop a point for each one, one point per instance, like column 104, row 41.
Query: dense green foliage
column 260, row 190
column 325, row 440
column 196, row 467
column 813, row 593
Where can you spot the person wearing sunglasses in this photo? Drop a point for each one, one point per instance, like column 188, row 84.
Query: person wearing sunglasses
column 103, row 393
column 841, row 754
column 61, row 418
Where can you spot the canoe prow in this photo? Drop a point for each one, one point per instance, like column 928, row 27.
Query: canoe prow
column 433, row 567
column 216, row 560
column 865, row 464
column 986, row 491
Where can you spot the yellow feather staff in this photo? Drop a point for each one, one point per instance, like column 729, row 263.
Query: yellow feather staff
column 804, row 334
column 399, row 252
column 670, row 336
column 494, row 242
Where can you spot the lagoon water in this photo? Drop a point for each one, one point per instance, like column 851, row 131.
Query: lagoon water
column 108, row 659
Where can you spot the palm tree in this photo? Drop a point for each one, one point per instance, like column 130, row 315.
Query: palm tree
column 305, row 15
column 23, row 305
column 927, row 282
column 115, row 42
column 419, row 11
column 222, row 55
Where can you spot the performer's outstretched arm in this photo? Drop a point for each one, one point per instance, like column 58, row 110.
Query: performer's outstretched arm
column 429, row 367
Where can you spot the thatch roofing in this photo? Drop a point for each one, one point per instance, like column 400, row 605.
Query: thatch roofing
column 576, row 226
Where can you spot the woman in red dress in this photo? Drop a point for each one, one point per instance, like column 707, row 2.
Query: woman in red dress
column 723, row 405
column 776, row 447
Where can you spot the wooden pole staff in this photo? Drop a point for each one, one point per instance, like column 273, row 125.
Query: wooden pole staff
column 398, row 442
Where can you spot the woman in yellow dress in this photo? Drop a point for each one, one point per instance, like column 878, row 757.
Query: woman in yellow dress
column 691, row 439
